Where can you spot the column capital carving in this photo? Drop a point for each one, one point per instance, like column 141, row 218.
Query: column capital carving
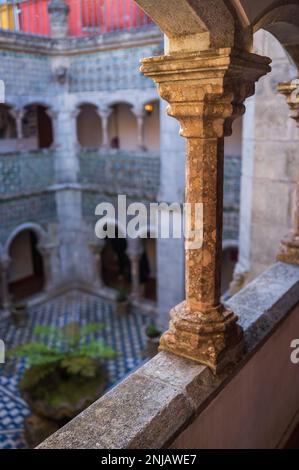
column 291, row 91
column 206, row 90
column 104, row 111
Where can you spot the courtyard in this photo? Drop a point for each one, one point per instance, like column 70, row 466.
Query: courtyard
column 126, row 334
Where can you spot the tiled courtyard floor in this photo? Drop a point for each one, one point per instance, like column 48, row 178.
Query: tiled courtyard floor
column 124, row 333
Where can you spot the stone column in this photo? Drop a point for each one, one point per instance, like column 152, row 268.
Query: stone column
column 58, row 11
column 46, row 252
column 289, row 250
column 4, row 267
column 205, row 92
column 140, row 115
column 72, row 230
column 96, row 249
column 19, row 122
column 105, row 114
column 65, row 142
column 134, row 252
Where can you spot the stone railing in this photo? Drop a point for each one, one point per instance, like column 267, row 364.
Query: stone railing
column 121, row 172
column 173, row 402
column 25, row 172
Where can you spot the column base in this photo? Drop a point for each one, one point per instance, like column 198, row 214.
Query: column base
column 289, row 250
column 212, row 338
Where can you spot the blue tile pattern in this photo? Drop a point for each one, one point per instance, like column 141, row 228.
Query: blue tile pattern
column 124, row 333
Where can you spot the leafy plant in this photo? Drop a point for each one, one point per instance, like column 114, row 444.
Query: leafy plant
column 65, row 373
column 69, row 345
column 152, row 331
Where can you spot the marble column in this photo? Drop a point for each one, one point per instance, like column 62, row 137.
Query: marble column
column 134, row 252
column 140, row 115
column 105, row 114
column 205, row 92
column 289, row 250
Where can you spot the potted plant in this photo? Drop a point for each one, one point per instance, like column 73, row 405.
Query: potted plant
column 65, row 375
column 153, row 339
column 122, row 301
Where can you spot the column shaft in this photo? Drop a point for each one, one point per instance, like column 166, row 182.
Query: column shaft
column 205, row 92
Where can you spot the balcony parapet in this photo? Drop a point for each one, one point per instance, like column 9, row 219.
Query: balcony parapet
column 173, row 402
column 135, row 173
column 18, row 41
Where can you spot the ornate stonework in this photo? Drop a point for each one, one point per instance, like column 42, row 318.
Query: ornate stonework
column 205, row 92
column 289, row 249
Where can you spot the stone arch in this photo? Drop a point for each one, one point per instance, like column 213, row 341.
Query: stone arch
column 146, row 250
column 89, row 125
column 36, row 228
column 37, row 126
column 198, row 26
column 8, row 127
column 26, row 273
column 115, row 268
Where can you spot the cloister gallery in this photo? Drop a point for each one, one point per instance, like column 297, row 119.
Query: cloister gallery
column 163, row 102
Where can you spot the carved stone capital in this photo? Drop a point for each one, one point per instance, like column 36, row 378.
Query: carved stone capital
column 206, row 90
column 291, row 91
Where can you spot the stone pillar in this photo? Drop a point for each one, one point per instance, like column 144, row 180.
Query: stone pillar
column 140, row 115
column 289, row 250
column 134, row 252
column 65, row 142
column 19, row 123
column 105, row 113
column 46, row 252
column 205, row 92
column 96, row 249
column 73, row 237
column 4, row 267
column 58, row 11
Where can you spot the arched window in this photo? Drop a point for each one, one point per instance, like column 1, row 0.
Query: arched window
column 89, row 127
column 26, row 273
column 152, row 125
column 37, row 127
column 122, row 128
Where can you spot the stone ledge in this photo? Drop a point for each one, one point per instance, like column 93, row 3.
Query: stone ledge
column 151, row 407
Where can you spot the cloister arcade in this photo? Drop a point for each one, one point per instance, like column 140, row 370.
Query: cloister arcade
column 28, row 128
column 119, row 126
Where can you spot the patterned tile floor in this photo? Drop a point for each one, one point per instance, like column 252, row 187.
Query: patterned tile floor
column 124, row 333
